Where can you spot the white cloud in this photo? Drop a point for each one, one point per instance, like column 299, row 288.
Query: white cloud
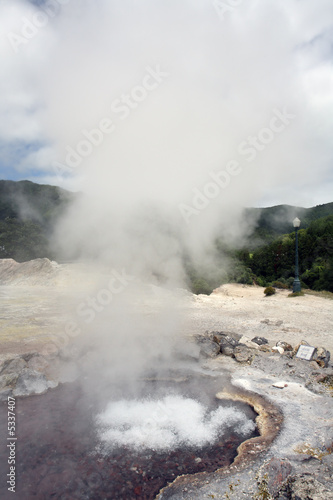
column 225, row 78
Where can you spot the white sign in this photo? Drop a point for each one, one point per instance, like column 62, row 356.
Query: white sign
column 305, row 352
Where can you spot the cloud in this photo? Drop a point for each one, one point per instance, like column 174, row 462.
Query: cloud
column 86, row 70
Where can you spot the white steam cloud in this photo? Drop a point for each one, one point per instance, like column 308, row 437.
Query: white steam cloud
column 166, row 424
column 170, row 117
column 141, row 102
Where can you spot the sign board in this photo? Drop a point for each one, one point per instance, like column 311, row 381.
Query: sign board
column 305, row 352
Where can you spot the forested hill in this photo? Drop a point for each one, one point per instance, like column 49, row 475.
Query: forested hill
column 275, row 261
column 269, row 261
column 28, row 213
column 25, row 200
column 274, row 221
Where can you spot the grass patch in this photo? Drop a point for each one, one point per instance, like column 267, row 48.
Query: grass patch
column 323, row 294
column 296, row 294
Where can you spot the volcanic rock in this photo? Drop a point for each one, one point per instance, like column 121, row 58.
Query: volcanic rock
column 248, row 342
column 31, row 382
column 259, row 340
column 322, row 357
column 209, row 348
column 305, row 487
column 228, row 351
column 217, row 336
column 8, row 380
column 243, row 354
column 228, row 341
column 285, row 346
column 13, row 366
column 272, row 475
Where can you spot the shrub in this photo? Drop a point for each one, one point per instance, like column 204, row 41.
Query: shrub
column 290, row 282
column 296, row 294
column 200, row 286
column 269, row 291
column 279, row 284
column 259, row 280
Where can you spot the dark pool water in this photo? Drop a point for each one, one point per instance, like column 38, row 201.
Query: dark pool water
column 56, row 454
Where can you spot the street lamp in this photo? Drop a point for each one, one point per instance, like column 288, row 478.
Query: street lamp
column 297, row 283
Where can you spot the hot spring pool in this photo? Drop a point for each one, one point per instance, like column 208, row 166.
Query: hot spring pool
column 125, row 445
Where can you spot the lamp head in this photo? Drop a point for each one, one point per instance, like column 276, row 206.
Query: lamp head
column 296, row 222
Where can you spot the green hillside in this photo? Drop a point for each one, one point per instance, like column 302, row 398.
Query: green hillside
column 25, row 200
column 274, row 221
column 275, row 261
column 269, row 255
column 28, row 212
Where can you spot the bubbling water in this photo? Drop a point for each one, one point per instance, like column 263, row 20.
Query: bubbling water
column 168, row 424
column 131, row 444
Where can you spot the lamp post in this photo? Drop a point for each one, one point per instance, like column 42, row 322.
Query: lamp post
column 297, row 283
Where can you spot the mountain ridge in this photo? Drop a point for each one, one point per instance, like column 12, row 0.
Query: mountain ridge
column 29, row 212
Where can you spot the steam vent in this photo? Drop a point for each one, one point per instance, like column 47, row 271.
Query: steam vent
column 134, row 447
column 166, row 250
column 149, row 400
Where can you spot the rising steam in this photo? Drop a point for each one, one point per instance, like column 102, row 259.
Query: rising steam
column 170, row 118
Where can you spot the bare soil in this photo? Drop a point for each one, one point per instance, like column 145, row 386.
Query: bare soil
column 246, row 310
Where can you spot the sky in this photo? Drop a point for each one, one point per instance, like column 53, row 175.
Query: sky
column 175, row 103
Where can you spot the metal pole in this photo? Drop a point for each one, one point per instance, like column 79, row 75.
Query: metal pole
column 297, row 283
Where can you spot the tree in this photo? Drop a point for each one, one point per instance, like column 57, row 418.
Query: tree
column 22, row 240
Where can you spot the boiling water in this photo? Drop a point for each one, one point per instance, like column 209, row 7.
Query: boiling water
column 70, row 446
column 168, row 424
